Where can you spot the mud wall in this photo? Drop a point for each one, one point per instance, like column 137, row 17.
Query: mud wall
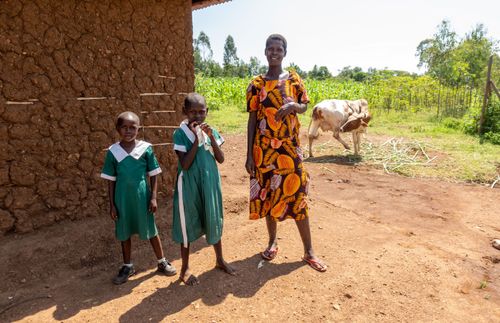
column 67, row 68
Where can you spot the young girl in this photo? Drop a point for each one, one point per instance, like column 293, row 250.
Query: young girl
column 132, row 202
column 198, row 199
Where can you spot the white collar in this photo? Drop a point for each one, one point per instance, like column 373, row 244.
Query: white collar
column 187, row 131
column 137, row 152
column 202, row 136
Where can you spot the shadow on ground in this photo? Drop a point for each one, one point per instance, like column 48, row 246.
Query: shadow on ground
column 348, row 160
column 215, row 286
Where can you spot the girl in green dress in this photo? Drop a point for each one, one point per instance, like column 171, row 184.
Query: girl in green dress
column 132, row 203
column 197, row 206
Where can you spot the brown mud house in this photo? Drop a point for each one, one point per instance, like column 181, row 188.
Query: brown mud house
column 67, row 68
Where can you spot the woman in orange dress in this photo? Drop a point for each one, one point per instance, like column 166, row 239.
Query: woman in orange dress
column 278, row 180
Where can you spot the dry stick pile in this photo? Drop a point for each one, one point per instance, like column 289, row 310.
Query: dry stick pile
column 396, row 153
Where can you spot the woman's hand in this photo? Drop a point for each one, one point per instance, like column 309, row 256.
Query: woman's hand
column 153, row 205
column 113, row 213
column 250, row 165
column 285, row 110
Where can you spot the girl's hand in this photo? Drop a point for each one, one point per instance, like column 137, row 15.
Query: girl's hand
column 285, row 110
column 113, row 213
column 250, row 166
column 206, row 128
column 153, row 206
column 192, row 126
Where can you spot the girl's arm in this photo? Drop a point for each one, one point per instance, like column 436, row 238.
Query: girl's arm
column 111, row 193
column 252, row 123
column 186, row 159
column 153, row 205
column 218, row 153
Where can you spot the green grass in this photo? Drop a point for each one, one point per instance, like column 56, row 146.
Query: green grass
column 459, row 157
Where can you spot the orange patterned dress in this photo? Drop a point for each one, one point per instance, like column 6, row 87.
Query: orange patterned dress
column 280, row 185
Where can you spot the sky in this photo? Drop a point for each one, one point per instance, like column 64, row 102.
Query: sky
column 365, row 33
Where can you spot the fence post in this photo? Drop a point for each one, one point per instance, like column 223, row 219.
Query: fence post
column 486, row 96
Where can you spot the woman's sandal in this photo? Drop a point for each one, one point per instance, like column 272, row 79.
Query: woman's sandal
column 315, row 264
column 269, row 254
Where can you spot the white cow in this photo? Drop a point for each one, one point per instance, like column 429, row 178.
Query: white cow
column 340, row 116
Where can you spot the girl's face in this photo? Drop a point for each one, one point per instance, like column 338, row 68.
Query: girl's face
column 128, row 130
column 196, row 113
column 275, row 52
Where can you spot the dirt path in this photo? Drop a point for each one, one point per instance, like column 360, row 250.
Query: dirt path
column 399, row 249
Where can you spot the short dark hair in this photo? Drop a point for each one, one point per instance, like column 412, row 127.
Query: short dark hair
column 126, row 115
column 276, row 37
column 193, row 98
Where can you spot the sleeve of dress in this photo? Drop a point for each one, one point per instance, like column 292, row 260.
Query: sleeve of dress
column 218, row 137
column 109, row 169
column 302, row 96
column 252, row 97
column 179, row 144
column 153, row 167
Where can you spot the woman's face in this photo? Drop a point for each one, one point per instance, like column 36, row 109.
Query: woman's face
column 275, row 52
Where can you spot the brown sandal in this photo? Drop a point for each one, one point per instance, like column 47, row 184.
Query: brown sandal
column 316, row 264
column 269, row 254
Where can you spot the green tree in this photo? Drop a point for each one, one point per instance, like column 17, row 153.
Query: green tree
column 355, row 73
column 296, row 68
column 470, row 57
column 230, row 59
column 203, row 57
column 435, row 53
column 456, row 61
column 254, row 67
column 319, row 73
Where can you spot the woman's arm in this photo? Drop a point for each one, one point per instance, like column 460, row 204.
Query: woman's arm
column 153, row 205
column 289, row 108
column 300, row 107
column 251, row 128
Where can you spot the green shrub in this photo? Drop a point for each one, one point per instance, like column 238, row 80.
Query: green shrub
column 452, row 123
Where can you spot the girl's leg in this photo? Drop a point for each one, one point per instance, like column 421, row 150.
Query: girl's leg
column 126, row 250
column 220, row 262
column 163, row 265
column 185, row 275
column 127, row 269
column 309, row 256
column 157, row 248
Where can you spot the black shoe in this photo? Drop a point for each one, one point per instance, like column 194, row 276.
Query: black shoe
column 123, row 275
column 166, row 268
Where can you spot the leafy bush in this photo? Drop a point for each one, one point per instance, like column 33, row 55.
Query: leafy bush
column 491, row 127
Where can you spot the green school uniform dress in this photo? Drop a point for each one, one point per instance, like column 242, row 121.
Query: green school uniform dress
column 132, row 192
column 197, row 208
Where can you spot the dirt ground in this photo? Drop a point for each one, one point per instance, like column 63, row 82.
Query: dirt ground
column 398, row 249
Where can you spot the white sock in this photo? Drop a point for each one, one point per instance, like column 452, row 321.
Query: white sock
column 129, row 265
column 161, row 260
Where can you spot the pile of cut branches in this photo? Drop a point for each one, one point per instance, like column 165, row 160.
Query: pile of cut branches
column 396, row 153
